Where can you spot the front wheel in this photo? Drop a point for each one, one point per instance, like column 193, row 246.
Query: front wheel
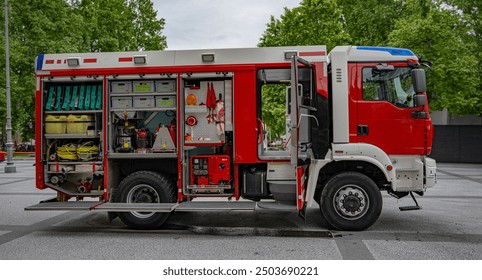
column 351, row 201
column 145, row 187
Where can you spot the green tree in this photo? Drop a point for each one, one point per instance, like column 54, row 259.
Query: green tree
column 470, row 12
column 64, row 26
column 440, row 35
column 147, row 28
column 34, row 27
column 273, row 109
column 315, row 22
column 446, row 32
column 369, row 22
column 120, row 25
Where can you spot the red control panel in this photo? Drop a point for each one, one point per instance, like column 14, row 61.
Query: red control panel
column 210, row 170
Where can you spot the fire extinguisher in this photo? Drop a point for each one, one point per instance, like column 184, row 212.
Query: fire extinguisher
column 144, row 139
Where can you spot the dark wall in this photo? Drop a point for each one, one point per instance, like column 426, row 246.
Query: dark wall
column 457, row 143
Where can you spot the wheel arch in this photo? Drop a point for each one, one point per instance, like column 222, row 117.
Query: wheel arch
column 367, row 168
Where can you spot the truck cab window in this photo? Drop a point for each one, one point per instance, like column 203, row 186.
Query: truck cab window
column 392, row 86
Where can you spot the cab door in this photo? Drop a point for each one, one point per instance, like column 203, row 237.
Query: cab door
column 300, row 117
column 386, row 112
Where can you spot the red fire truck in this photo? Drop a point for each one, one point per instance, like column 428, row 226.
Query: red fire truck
column 143, row 134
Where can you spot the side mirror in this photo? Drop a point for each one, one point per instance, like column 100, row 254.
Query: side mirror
column 419, row 81
column 419, row 100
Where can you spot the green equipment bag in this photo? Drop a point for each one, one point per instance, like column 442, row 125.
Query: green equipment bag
column 93, row 97
column 73, row 100
column 50, row 99
column 66, row 104
column 98, row 103
column 87, row 99
column 59, row 98
column 80, row 104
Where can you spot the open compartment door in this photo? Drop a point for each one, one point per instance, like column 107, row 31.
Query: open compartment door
column 299, row 107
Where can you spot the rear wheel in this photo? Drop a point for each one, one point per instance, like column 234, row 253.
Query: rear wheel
column 351, row 201
column 145, row 187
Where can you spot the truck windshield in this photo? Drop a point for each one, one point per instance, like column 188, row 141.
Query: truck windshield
column 393, row 86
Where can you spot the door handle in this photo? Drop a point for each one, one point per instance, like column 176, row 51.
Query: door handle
column 362, row 130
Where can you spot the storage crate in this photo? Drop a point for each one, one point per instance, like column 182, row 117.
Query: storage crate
column 143, row 101
column 165, row 86
column 79, row 124
column 121, row 102
column 121, row 87
column 55, row 124
column 143, row 86
column 165, row 101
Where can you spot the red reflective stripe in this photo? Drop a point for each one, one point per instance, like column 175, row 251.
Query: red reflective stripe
column 49, row 61
column 311, row 53
column 90, row 60
column 125, row 59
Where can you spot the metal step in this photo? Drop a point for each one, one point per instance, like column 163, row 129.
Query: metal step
column 275, row 206
column 128, row 207
column 215, row 206
column 70, row 206
column 145, row 207
column 104, row 207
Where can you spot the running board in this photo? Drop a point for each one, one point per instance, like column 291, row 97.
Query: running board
column 64, row 206
column 144, row 207
column 128, row 207
column 215, row 206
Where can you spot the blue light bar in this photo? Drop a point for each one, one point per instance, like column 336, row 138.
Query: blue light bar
column 392, row 51
column 40, row 61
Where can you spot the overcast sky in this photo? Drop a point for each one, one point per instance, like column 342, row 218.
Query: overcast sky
column 208, row 24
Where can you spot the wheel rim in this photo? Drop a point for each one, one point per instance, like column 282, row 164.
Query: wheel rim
column 142, row 193
column 351, row 202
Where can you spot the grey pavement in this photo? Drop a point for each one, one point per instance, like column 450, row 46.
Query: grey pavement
column 448, row 227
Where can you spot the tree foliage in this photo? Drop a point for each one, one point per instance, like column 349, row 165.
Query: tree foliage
column 446, row 32
column 315, row 22
column 441, row 36
column 273, row 114
column 63, row 26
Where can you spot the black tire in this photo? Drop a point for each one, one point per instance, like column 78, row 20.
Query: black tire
column 145, row 187
column 351, row 201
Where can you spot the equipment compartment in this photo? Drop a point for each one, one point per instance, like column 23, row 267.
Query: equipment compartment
column 72, row 144
column 149, row 127
column 207, row 111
